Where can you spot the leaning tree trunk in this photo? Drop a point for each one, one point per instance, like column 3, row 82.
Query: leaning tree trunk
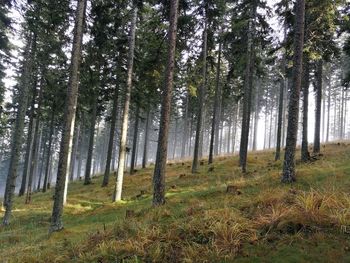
column 215, row 121
column 161, row 159
column 117, row 194
column 201, row 94
column 111, row 132
column 243, row 151
column 319, row 76
column 69, row 118
column 18, row 128
column 288, row 175
column 87, row 179
column 135, row 141
column 305, row 155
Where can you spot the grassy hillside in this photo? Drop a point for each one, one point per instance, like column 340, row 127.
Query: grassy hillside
column 257, row 220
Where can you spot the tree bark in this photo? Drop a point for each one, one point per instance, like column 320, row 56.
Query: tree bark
column 146, row 139
column 69, row 118
column 319, row 76
column 201, row 94
column 117, row 195
column 87, row 179
column 214, row 138
column 111, row 132
column 49, row 147
column 135, row 141
column 29, row 143
column 161, row 159
column 288, row 175
column 247, row 97
column 18, row 128
column 305, row 155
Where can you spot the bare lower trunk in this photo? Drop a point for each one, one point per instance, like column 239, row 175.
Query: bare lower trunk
column 111, row 133
column 159, row 170
column 87, row 179
column 146, row 139
column 293, row 113
column 201, row 94
column 319, row 76
column 214, row 138
column 134, row 141
column 69, row 118
column 29, row 143
column 48, row 156
column 18, row 129
column 243, row 152
column 305, row 156
column 117, row 195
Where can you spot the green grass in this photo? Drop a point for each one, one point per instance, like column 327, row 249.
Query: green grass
column 308, row 221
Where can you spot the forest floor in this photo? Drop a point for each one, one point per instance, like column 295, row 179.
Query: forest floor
column 217, row 215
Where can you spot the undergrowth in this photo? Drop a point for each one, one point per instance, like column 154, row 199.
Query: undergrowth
column 257, row 220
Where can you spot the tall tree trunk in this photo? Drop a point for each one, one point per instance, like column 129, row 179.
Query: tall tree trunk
column 117, row 195
column 35, row 147
column 111, row 132
column 135, row 141
column 69, row 119
column 175, row 138
column 87, row 179
column 256, row 116
column 319, row 76
column 74, row 152
column 185, row 129
column 146, row 139
column 49, row 147
column 29, row 143
column 235, row 127
column 247, row 97
column 201, row 94
column 159, row 170
column 214, row 138
column 41, row 163
column 328, row 112
column 293, row 113
column 18, row 128
column 305, row 156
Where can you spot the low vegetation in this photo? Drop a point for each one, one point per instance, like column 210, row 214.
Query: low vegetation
column 217, row 215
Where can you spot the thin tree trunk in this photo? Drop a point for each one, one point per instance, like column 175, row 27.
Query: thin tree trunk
column 328, row 112
column 185, row 129
column 159, row 170
column 117, row 195
column 214, row 138
column 256, row 117
column 305, row 156
column 87, row 179
column 135, row 140
column 319, row 76
column 243, row 152
column 18, row 128
column 146, row 139
column 293, row 113
column 29, row 143
column 201, row 94
column 74, row 152
column 69, row 119
column 49, row 147
column 111, row 132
